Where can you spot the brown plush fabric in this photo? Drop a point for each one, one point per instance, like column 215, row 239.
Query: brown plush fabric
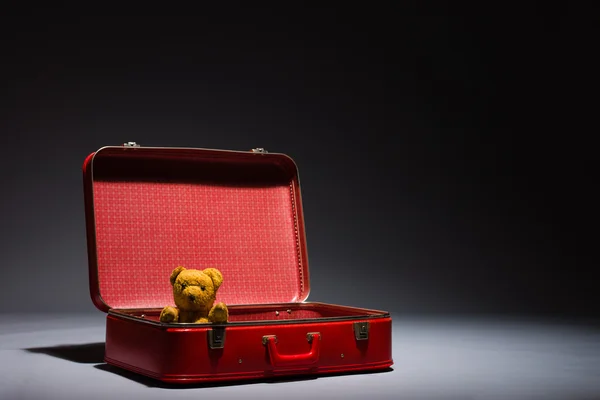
column 195, row 293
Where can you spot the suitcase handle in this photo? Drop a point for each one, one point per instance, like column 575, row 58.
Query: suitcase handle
column 287, row 360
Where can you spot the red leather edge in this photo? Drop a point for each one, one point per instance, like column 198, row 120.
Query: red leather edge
column 91, row 234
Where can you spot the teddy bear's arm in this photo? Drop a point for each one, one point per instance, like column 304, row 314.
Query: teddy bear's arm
column 218, row 313
column 169, row 314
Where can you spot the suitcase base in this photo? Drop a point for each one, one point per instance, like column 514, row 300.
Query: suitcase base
column 260, row 341
column 191, row 379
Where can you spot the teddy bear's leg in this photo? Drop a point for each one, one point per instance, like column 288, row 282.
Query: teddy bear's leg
column 219, row 313
column 169, row 314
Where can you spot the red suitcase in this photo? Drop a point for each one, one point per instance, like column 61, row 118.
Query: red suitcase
column 149, row 210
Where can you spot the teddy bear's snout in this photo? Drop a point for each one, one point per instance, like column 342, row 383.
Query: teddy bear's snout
column 192, row 297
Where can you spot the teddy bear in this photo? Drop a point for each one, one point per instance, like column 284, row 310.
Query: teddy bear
column 195, row 292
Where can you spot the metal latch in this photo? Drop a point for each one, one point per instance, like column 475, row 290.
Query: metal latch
column 130, row 144
column 259, row 150
column 216, row 337
column 361, row 330
column 265, row 339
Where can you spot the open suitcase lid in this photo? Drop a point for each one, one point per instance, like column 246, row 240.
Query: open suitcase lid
column 150, row 209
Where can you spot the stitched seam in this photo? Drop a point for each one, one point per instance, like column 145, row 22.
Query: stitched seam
column 296, row 233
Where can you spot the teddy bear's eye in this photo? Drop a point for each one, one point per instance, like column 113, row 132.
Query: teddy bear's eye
column 183, row 285
column 202, row 287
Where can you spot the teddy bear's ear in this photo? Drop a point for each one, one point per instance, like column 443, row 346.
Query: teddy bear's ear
column 215, row 275
column 176, row 273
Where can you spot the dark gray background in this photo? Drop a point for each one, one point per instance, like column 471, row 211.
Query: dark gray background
column 446, row 161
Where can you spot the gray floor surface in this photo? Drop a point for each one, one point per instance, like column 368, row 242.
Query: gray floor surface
column 60, row 357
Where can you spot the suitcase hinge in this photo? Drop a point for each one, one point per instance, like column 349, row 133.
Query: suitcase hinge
column 361, row 330
column 259, row 150
column 216, row 337
column 130, row 144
